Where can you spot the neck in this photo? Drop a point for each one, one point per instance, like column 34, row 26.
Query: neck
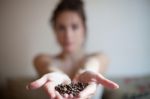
column 73, row 55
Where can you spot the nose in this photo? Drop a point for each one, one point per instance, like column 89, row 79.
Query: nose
column 68, row 34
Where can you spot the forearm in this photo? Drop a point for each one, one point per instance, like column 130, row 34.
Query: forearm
column 97, row 63
column 49, row 69
column 54, row 73
column 43, row 65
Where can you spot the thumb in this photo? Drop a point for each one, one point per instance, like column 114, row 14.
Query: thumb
column 106, row 82
column 38, row 83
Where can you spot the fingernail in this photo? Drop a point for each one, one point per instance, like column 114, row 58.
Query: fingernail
column 53, row 96
column 116, row 86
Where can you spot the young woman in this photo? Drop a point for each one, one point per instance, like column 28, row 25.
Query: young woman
column 72, row 64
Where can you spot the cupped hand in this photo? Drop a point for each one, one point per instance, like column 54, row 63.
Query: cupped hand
column 93, row 79
column 49, row 81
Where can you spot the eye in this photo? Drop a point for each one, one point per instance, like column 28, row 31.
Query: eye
column 74, row 27
column 61, row 28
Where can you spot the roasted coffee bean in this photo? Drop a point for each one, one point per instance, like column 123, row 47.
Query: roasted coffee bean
column 72, row 88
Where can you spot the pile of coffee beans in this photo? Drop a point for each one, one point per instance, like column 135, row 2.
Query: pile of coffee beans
column 72, row 88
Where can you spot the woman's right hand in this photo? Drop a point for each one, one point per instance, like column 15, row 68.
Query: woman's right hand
column 49, row 81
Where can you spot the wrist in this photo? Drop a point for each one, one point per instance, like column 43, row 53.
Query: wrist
column 92, row 64
column 59, row 77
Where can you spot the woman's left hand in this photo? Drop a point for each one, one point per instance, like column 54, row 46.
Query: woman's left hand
column 93, row 79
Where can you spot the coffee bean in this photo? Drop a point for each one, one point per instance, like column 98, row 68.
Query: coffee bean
column 72, row 88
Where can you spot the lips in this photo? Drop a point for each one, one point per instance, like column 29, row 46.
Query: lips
column 68, row 44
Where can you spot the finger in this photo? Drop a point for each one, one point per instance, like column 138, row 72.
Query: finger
column 87, row 97
column 70, row 96
column 38, row 83
column 66, row 96
column 50, row 89
column 58, row 96
column 88, row 91
column 106, row 82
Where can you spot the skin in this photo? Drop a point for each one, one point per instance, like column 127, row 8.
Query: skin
column 70, row 34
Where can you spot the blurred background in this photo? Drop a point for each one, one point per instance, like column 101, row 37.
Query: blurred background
column 120, row 28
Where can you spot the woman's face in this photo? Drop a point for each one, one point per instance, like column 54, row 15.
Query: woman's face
column 70, row 31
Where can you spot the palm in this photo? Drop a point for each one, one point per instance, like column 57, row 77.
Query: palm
column 87, row 77
column 49, row 81
column 93, row 79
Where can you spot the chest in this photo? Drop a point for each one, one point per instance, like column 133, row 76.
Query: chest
column 70, row 67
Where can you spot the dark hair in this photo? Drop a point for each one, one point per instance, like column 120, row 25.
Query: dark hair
column 69, row 5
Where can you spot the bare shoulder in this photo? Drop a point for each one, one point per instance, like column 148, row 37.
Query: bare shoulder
column 41, row 63
column 41, row 58
column 103, row 60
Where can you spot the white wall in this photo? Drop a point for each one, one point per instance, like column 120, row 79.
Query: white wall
column 119, row 28
column 122, row 30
